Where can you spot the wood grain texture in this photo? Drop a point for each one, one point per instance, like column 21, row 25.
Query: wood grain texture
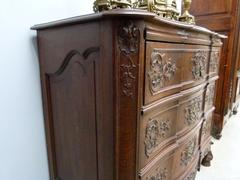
column 127, row 96
column 222, row 16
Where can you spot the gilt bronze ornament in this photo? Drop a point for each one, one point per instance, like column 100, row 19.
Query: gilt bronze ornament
column 101, row 5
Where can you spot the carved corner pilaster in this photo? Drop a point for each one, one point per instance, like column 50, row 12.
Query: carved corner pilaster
column 199, row 61
column 128, row 43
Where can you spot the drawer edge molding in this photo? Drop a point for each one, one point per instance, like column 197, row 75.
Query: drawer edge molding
column 173, row 97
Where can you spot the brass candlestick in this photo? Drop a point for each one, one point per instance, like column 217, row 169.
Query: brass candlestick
column 186, row 16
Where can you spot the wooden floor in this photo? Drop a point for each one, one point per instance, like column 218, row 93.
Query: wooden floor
column 226, row 151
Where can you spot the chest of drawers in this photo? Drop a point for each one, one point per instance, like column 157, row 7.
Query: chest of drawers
column 127, row 95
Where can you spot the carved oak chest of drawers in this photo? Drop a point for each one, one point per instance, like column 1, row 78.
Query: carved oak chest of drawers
column 127, row 95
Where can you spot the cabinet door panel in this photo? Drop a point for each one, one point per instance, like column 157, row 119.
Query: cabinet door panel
column 72, row 90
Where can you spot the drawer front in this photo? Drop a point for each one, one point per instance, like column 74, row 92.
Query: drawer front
column 163, row 125
column 161, row 170
column 214, row 61
column 210, row 96
column 187, row 154
column 192, row 174
column 205, row 148
column 206, row 128
column 171, row 68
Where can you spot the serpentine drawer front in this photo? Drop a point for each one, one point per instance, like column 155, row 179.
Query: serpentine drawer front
column 127, row 96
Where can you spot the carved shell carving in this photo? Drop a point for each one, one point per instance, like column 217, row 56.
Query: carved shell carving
column 161, row 71
column 160, row 174
column 188, row 152
column 155, row 131
column 128, row 42
column 192, row 112
column 199, row 61
column 214, row 61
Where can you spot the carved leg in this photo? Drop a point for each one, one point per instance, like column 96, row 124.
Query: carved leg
column 207, row 159
column 235, row 110
column 217, row 136
column 216, row 133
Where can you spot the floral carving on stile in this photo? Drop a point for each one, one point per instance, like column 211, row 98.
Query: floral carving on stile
column 188, row 152
column 214, row 61
column 161, row 70
column 159, row 174
column 205, row 128
column 210, row 94
column 128, row 42
column 199, row 61
column 193, row 110
column 155, row 131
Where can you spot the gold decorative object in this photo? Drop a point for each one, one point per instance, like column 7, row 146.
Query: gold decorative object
column 186, row 16
column 101, row 5
column 163, row 8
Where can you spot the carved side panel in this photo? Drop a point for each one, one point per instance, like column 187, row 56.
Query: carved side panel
column 161, row 71
column 199, row 61
column 193, row 111
column 188, row 153
column 72, row 99
column 156, row 130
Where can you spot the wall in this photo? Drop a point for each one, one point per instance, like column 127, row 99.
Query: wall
column 22, row 149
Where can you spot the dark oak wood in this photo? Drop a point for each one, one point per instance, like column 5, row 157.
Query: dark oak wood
column 222, row 16
column 127, row 95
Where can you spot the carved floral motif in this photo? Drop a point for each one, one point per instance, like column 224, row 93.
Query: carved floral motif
column 205, row 128
column 160, row 174
column 188, row 152
column 161, row 70
column 199, row 61
column 214, row 61
column 210, row 95
column 128, row 42
column 155, row 131
column 191, row 176
column 193, row 110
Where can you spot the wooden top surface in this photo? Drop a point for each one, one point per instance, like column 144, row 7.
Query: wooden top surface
column 131, row 13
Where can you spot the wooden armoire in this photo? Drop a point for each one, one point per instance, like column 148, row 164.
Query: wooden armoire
column 223, row 16
column 127, row 95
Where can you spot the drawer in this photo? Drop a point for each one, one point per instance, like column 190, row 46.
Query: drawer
column 162, row 169
column 206, row 128
column 214, row 61
column 164, row 124
column 187, row 153
column 205, row 148
column 175, row 160
column 210, row 96
column 170, row 68
column 191, row 175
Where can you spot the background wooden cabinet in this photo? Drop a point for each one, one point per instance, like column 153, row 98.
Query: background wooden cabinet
column 222, row 16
